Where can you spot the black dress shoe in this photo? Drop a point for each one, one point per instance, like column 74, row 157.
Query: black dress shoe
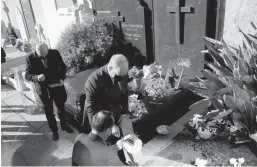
column 55, row 136
column 67, row 128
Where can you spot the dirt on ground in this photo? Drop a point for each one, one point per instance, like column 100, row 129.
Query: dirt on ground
column 185, row 149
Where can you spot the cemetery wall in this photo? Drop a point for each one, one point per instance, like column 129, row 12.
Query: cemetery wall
column 239, row 13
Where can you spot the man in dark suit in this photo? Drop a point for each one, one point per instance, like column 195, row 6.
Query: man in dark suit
column 92, row 149
column 47, row 70
column 106, row 89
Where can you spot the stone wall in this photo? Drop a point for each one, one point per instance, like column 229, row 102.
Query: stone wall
column 239, row 13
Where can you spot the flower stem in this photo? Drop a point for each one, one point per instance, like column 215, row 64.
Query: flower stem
column 180, row 78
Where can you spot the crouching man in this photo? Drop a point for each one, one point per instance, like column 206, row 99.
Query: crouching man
column 93, row 149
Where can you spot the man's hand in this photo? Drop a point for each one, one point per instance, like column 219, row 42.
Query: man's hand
column 120, row 144
column 115, row 131
column 41, row 77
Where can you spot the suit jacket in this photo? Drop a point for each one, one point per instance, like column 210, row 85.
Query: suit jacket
column 91, row 150
column 54, row 69
column 102, row 94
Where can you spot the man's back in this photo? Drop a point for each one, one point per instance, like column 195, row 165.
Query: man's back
column 91, row 150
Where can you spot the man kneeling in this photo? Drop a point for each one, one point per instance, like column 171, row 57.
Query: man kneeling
column 93, row 149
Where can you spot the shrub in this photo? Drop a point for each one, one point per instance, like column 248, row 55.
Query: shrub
column 83, row 46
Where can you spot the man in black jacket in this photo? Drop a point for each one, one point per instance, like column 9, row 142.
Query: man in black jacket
column 106, row 89
column 93, row 149
column 47, row 70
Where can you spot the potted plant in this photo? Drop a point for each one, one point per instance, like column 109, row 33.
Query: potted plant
column 12, row 40
column 231, row 89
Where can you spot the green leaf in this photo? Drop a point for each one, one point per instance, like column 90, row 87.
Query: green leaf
column 238, row 120
column 233, row 102
column 211, row 115
column 219, row 59
column 253, row 25
column 217, row 69
column 224, row 113
column 205, row 93
column 246, row 38
column 213, row 78
column 225, row 90
column 218, row 104
column 204, row 103
column 212, row 42
column 229, row 54
column 242, row 95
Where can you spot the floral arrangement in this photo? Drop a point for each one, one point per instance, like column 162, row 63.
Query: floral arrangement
column 26, row 47
column 136, row 107
column 83, row 46
column 237, row 162
column 157, row 89
column 152, row 71
column 206, row 129
column 135, row 73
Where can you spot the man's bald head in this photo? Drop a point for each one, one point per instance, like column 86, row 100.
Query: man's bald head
column 118, row 65
column 42, row 49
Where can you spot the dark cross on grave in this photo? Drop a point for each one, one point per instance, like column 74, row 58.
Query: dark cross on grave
column 178, row 10
column 119, row 19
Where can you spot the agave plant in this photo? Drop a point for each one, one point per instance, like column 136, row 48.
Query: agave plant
column 231, row 85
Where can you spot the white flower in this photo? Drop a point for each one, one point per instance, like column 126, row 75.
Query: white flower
column 241, row 160
column 253, row 136
column 204, row 134
column 233, row 161
column 233, row 129
column 201, row 162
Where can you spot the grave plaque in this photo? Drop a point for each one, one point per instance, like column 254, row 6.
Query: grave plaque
column 134, row 19
column 179, row 27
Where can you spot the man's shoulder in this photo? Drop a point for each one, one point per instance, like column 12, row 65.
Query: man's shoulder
column 30, row 56
column 96, row 76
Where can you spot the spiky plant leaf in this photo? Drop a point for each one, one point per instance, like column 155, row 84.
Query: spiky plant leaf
column 213, row 78
column 204, row 103
column 212, row 42
column 219, row 59
column 253, row 25
column 205, row 93
column 238, row 120
column 223, row 91
column 245, row 37
column 224, row 114
column 242, row 95
column 218, row 70
column 231, row 56
column 211, row 114
column 218, row 104
column 233, row 102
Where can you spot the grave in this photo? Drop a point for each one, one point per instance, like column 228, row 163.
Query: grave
column 169, row 32
column 179, row 27
column 134, row 18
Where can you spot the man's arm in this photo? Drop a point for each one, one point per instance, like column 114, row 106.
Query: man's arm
column 29, row 75
column 62, row 66
column 92, row 97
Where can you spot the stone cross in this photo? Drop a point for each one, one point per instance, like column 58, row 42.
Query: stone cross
column 178, row 10
column 6, row 9
column 119, row 19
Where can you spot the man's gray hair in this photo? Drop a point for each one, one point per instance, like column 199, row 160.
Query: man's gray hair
column 118, row 60
column 42, row 47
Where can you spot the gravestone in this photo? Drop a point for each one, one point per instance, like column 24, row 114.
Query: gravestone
column 134, row 18
column 179, row 27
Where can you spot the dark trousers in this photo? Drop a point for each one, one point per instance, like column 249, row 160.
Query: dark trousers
column 58, row 96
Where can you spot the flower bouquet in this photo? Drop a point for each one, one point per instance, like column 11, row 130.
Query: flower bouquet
column 152, row 71
column 136, row 107
column 207, row 129
column 157, row 89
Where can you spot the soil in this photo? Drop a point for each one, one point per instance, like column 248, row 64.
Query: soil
column 186, row 149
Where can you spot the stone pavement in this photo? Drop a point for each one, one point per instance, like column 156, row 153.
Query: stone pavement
column 27, row 140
